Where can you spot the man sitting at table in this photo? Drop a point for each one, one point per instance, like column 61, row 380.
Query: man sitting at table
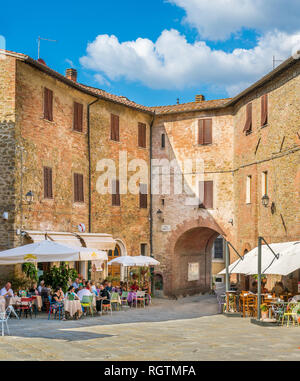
column 76, row 283
column 6, row 290
column 83, row 292
column 104, row 298
column 278, row 289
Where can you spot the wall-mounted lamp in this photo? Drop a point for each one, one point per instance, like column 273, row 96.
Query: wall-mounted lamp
column 265, row 200
column 29, row 197
column 159, row 214
column 230, row 221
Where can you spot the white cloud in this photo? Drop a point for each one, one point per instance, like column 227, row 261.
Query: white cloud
column 218, row 19
column 172, row 62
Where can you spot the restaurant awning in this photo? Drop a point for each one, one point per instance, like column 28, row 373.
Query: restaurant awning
column 287, row 252
column 98, row 241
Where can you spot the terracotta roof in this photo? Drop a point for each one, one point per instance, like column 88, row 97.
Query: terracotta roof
column 191, row 106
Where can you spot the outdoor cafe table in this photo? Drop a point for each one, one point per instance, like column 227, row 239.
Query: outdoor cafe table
column 72, row 306
column 2, row 304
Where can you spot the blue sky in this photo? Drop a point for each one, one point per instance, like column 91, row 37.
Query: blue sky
column 156, row 51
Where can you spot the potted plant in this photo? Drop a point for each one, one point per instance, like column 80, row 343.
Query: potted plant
column 264, row 311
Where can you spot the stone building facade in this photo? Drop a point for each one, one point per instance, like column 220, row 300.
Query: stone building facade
column 235, row 168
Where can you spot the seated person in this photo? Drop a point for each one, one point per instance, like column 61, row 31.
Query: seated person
column 93, row 288
column 103, row 298
column 34, row 290
column 6, row 290
column 134, row 287
column 83, row 292
column 278, row 289
column 75, row 284
column 108, row 286
column 58, row 295
column 71, row 291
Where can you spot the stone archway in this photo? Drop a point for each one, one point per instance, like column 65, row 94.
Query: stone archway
column 190, row 269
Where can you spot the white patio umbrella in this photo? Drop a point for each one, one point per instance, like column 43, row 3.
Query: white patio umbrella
column 43, row 251
column 288, row 261
column 89, row 254
column 142, row 260
column 125, row 260
column 248, row 265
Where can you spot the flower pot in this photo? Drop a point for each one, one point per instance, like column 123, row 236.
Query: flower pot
column 264, row 315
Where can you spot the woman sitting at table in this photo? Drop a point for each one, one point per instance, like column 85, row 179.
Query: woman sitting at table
column 278, row 289
column 34, row 290
column 71, row 291
column 58, row 295
column 134, row 287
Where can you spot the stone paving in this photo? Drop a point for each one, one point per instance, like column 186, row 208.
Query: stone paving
column 185, row 329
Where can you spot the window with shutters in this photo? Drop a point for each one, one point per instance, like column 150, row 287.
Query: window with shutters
column 248, row 124
column 78, row 117
column 163, row 140
column 264, row 110
column 48, row 191
column 143, row 196
column 204, row 131
column 218, row 252
column 248, row 190
column 48, row 104
column 116, row 201
column 78, row 188
column 142, row 135
column 206, row 189
column 115, row 127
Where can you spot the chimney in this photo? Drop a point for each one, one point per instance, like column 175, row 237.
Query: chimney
column 199, row 98
column 71, row 74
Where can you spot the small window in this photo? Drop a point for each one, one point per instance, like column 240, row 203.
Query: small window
column 48, row 104
column 218, row 252
column 142, row 135
column 264, row 183
column 206, row 194
column 143, row 196
column 115, row 127
column 248, row 124
column 264, row 110
column 143, row 249
column 78, row 188
column 248, row 190
column 205, row 131
column 116, row 201
column 48, row 191
column 163, row 140
column 162, row 201
column 78, row 117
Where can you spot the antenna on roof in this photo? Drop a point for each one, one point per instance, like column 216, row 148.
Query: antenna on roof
column 39, row 43
column 274, row 62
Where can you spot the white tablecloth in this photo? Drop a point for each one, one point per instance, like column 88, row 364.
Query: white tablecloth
column 72, row 306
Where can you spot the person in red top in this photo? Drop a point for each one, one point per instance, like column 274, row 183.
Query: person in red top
column 134, row 286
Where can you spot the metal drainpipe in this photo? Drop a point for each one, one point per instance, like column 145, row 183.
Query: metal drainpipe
column 150, row 213
column 89, row 159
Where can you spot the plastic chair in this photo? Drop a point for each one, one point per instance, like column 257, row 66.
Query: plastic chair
column 4, row 316
column 54, row 306
column 291, row 312
column 124, row 301
column 140, row 297
column 71, row 297
column 106, row 307
column 87, row 302
column 222, row 302
column 25, row 306
column 115, row 300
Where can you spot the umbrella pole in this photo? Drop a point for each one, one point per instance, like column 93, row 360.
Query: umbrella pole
column 259, row 277
column 227, row 275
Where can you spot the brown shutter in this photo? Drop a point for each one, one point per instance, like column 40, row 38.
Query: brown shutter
column 114, row 127
column 78, row 188
column 143, row 196
column 48, row 104
column 142, row 135
column 208, row 131
column 116, row 201
column 208, row 194
column 48, row 193
column 201, row 131
column 78, row 117
column 264, row 110
column 248, row 124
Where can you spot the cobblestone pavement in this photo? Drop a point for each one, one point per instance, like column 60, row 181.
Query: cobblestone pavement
column 186, row 329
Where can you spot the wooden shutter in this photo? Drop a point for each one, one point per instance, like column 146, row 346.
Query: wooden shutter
column 248, row 124
column 48, row 104
column 116, row 201
column 205, row 131
column 78, row 117
column 78, row 188
column 48, row 192
column 143, row 196
column 114, row 127
column 142, row 135
column 264, row 110
column 206, row 194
